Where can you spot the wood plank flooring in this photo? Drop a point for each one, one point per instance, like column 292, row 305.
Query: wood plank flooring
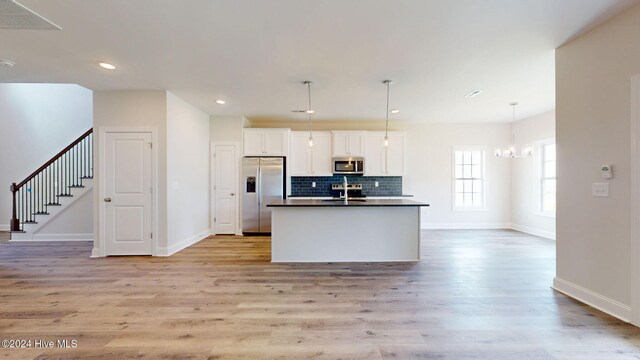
column 477, row 294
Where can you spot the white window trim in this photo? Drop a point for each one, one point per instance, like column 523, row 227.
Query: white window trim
column 484, row 179
column 537, row 184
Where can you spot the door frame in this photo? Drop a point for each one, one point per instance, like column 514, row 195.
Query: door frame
column 99, row 247
column 212, row 159
column 634, row 277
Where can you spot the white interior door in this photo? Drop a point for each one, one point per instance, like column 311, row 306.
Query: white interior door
column 226, row 189
column 128, row 202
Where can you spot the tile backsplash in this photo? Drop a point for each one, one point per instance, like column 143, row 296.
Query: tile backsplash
column 387, row 185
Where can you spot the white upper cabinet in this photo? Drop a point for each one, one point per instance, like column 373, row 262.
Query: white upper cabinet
column 305, row 160
column 381, row 160
column 348, row 143
column 265, row 142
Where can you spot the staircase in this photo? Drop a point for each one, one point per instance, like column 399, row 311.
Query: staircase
column 47, row 191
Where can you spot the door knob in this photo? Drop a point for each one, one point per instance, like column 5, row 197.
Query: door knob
column 233, row 194
column 107, row 199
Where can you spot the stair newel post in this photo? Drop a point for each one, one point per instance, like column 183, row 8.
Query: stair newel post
column 15, row 222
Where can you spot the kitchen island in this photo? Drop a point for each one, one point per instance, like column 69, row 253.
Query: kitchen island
column 331, row 230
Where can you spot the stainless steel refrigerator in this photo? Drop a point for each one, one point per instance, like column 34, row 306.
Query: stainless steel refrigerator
column 263, row 182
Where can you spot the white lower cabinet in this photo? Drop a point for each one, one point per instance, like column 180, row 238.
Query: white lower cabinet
column 305, row 160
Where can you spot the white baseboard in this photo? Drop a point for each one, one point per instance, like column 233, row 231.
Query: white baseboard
column 168, row 251
column 533, row 231
column 464, row 226
column 4, row 227
column 18, row 237
column 602, row 303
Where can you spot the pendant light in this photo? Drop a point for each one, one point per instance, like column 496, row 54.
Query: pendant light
column 386, row 124
column 510, row 150
column 309, row 112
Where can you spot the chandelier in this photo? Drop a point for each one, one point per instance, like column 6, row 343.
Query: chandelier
column 510, row 150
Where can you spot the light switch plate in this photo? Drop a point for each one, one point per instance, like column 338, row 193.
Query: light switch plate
column 600, row 189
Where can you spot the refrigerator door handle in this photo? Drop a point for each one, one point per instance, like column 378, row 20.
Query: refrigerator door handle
column 259, row 187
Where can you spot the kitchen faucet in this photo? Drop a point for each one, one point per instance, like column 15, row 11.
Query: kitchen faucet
column 345, row 185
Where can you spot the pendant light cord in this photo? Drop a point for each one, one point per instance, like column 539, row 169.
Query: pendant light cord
column 386, row 124
column 309, row 108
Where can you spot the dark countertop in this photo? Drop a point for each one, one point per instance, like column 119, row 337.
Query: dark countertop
column 340, row 203
column 369, row 196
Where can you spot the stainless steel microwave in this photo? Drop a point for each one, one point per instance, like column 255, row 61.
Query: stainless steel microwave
column 348, row 165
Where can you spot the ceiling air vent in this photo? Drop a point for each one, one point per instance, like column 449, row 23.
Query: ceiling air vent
column 15, row 16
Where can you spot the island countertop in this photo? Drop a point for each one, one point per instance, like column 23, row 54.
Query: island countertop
column 341, row 203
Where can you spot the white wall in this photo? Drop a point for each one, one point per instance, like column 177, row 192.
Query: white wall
column 75, row 222
column 593, row 128
column 187, row 174
column 429, row 170
column 525, row 215
column 226, row 128
column 132, row 109
column 47, row 117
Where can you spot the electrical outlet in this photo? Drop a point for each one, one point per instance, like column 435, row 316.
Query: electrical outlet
column 376, row 184
column 313, row 184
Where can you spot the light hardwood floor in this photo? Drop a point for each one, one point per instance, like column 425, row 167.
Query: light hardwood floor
column 477, row 294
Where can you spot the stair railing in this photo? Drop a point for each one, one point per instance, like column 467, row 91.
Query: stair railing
column 43, row 188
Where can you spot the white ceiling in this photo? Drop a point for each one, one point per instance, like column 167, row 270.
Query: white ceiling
column 255, row 54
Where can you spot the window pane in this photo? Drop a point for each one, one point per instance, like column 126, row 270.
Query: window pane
column 549, row 187
column 549, row 204
column 458, row 157
column 475, row 157
column 550, row 169
column 475, row 171
column 459, row 186
column 467, row 185
column 477, row 186
column 466, row 171
column 467, row 199
column 549, row 195
column 459, row 199
column 458, row 171
column 550, row 152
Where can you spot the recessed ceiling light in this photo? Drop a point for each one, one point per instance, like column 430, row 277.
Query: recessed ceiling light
column 394, row 111
column 473, row 93
column 220, row 102
column 107, row 65
column 7, row 63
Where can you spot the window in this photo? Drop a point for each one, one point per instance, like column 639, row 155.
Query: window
column 547, row 178
column 469, row 179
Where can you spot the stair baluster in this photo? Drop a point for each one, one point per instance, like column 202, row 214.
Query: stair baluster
column 45, row 186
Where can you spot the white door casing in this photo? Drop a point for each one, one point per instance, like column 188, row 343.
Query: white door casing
column 127, row 193
column 225, row 189
column 635, row 201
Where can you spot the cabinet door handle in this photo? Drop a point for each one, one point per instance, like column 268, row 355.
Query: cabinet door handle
column 107, row 199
